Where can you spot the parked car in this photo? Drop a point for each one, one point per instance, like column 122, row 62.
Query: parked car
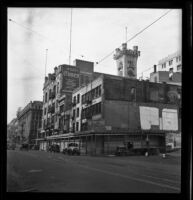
column 24, row 147
column 121, row 151
column 54, row 148
column 35, row 147
column 72, row 149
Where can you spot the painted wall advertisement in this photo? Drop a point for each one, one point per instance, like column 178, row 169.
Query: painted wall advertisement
column 70, row 78
column 149, row 118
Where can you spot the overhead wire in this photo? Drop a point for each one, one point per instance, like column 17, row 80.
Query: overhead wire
column 135, row 35
column 37, row 33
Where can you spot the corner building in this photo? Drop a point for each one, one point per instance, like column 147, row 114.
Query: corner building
column 115, row 110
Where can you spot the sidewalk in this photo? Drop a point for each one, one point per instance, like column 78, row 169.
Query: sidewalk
column 175, row 153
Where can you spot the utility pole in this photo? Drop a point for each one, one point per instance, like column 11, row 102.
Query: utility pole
column 70, row 37
column 126, row 34
column 46, row 61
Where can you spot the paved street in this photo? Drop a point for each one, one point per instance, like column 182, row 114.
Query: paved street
column 40, row 171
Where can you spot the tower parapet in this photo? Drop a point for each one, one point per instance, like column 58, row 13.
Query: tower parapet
column 127, row 61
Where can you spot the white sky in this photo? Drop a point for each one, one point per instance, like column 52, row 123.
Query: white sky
column 95, row 33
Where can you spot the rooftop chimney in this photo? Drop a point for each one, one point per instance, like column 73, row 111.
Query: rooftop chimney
column 55, row 69
column 124, row 46
column 135, row 48
column 155, row 68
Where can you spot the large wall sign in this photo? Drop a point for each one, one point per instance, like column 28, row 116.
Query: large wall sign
column 70, row 78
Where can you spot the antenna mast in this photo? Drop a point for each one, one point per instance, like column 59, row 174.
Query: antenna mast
column 70, row 37
column 46, row 61
column 126, row 34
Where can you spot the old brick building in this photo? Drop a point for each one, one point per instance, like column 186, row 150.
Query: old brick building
column 57, row 96
column 113, row 110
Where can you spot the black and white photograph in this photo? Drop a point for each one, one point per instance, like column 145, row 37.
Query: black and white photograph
column 94, row 100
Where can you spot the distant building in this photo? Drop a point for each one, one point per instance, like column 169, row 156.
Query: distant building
column 169, row 77
column 169, row 70
column 126, row 60
column 29, row 121
column 172, row 62
column 12, row 132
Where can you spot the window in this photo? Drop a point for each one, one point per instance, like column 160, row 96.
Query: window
column 74, row 99
column 163, row 65
column 61, row 108
column 78, row 98
column 179, row 67
column 155, row 79
column 46, row 96
column 83, row 98
column 57, row 87
column 77, row 126
column 77, row 112
column 97, row 91
column 170, row 62
column 74, row 112
column 179, row 58
column 73, row 127
column 100, row 90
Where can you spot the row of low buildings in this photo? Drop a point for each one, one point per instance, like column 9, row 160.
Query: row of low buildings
column 101, row 111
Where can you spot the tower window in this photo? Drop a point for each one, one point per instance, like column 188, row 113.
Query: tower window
column 170, row 62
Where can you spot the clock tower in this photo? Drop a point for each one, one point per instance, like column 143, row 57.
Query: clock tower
column 126, row 60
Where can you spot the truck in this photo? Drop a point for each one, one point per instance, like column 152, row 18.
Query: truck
column 72, row 148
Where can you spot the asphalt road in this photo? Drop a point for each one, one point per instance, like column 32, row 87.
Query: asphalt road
column 38, row 171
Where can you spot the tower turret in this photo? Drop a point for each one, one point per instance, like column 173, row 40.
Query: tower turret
column 127, row 61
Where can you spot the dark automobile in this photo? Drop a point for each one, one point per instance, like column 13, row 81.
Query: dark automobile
column 72, row 149
column 24, row 147
column 54, row 148
column 121, row 151
column 35, row 147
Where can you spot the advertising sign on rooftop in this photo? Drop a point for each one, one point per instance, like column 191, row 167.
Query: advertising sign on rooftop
column 70, row 78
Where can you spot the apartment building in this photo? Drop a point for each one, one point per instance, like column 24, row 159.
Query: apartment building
column 172, row 62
